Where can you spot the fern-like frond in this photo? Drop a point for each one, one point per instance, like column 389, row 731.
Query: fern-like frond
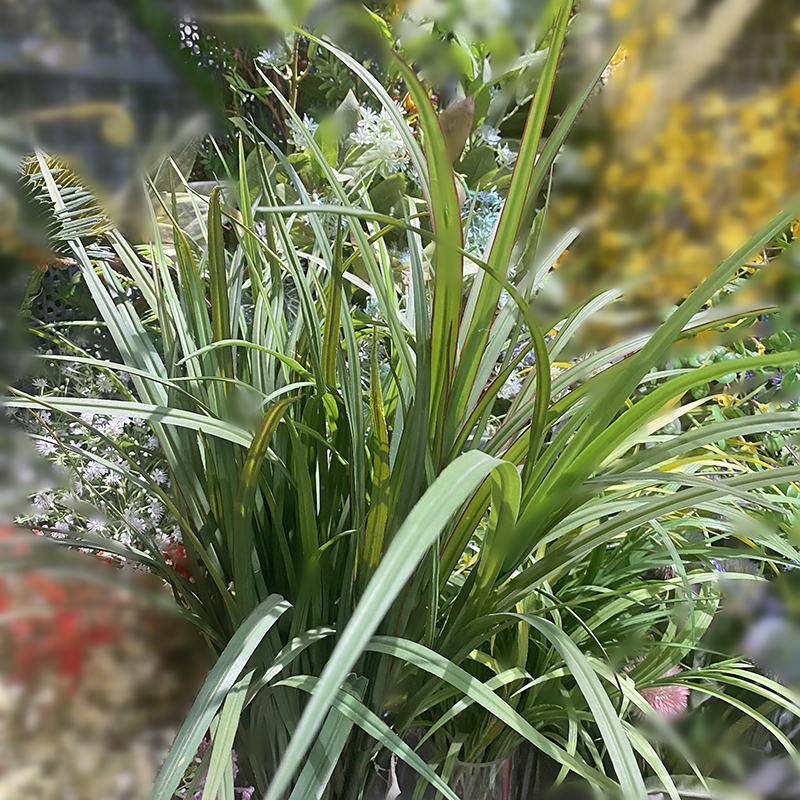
column 83, row 215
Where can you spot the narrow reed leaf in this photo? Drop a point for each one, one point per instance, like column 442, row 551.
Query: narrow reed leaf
column 480, row 693
column 218, row 684
column 218, row 279
column 242, row 543
column 224, row 734
column 446, row 221
column 605, row 715
column 372, row 545
column 346, row 704
column 421, row 529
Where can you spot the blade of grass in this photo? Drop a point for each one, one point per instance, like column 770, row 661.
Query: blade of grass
column 222, row 739
column 447, row 671
column 220, row 681
column 420, row 530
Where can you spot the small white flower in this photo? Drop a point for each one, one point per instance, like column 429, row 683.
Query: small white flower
column 113, row 479
column 116, row 425
column 506, row 156
column 269, row 58
column 159, row 476
column 87, row 417
column 45, row 417
column 153, row 443
column 40, row 383
column 511, row 388
column 275, row 58
column 95, row 525
column 162, row 539
column 297, row 133
column 134, row 521
column 156, row 511
column 488, row 134
column 369, row 117
column 372, row 306
column 95, row 470
column 40, row 502
column 61, row 525
column 384, row 146
column 104, row 384
column 44, row 447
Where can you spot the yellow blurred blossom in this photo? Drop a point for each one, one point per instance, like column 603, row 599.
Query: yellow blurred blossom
column 622, row 9
column 620, row 56
column 668, row 206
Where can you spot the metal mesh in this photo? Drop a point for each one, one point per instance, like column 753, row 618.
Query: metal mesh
column 63, row 297
column 765, row 54
column 51, row 304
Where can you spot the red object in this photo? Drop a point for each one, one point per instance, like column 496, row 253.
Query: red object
column 59, row 622
column 176, row 558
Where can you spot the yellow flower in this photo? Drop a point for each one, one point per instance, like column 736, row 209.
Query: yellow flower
column 620, row 9
column 762, row 143
column 619, row 56
column 795, row 228
column 592, row 155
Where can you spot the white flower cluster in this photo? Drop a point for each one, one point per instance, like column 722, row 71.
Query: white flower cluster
column 383, row 145
column 99, row 498
column 275, row 58
column 485, row 134
column 299, row 135
column 506, row 157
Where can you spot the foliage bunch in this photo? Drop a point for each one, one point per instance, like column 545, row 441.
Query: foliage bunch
column 365, row 523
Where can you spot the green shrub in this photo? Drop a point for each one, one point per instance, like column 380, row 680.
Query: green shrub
column 365, row 523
